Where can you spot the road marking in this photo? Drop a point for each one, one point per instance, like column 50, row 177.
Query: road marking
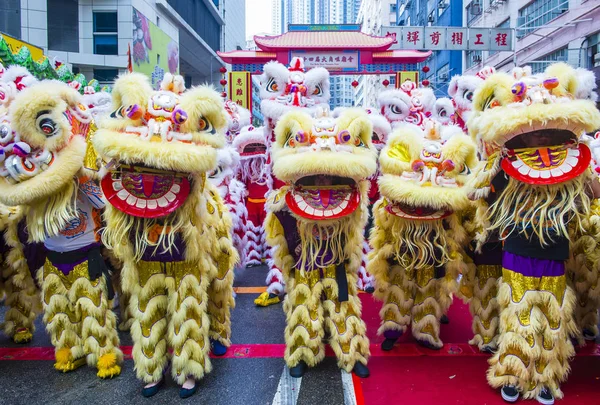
column 288, row 389
column 348, row 387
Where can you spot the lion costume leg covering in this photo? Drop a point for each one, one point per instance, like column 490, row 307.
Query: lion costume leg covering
column 148, row 305
column 221, row 301
column 189, row 322
column 304, row 330
column 427, row 308
column 344, row 323
column 398, row 300
column 484, row 306
column 536, row 320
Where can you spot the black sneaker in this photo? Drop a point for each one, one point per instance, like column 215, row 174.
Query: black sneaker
column 388, row 344
column 444, row 320
column 370, row 290
column 545, row 397
column 298, row 370
column 361, row 370
column 589, row 335
column 509, row 393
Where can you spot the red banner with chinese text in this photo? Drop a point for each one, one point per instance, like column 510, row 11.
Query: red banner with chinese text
column 240, row 89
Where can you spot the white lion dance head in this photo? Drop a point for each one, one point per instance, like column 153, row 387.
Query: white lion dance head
column 12, row 80
column 462, row 89
column 99, row 103
column 408, row 104
column 251, row 145
column 287, row 88
column 237, row 118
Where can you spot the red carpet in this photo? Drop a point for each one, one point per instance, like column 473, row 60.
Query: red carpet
column 455, row 374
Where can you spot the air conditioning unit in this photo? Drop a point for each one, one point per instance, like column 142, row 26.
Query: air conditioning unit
column 476, row 58
column 443, row 78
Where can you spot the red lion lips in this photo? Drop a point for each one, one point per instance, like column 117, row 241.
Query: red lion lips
column 145, row 193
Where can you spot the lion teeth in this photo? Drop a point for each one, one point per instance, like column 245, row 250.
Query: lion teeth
column 175, row 188
column 152, row 204
column 123, row 194
column 140, row 203
column 170, row 196
column 117, row 185
column 162, row 202
column 131, row 200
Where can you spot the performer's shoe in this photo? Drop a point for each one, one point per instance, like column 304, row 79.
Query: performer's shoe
column 150, row 391
column 217, row 348
column 444, row 320
column 266, row 299
column 188, row 392
column 370, row 290
column 588, row 335
column 545, row 397
column 388, row 344
column 108, row 366
column 361, row 370
column 487, row 349
column 23, row 335
column 65, row 361
column 298, row 370
column 509, row 393
column 427, row 345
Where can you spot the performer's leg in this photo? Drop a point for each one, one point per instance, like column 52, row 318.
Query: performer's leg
column 398, row 300
column 304, row 319
column 60, row 318
column 484, row 307
column 189, row 322
column 148, row 305
column 536, row 319
column 427, row 311
column 22, row 301
column 98, row 322
column 344, row 323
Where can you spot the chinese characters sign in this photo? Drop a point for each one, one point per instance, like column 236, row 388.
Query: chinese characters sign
column 240, row 89
column 401, row 77
column 330, row 60
column 450, row 38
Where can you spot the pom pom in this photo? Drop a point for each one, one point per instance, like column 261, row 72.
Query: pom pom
column 418, row 165
column 179, row 116
column 134, row 112
column 21, row 149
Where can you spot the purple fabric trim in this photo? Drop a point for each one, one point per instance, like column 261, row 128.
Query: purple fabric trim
column 176, row 254
column 66, row 268
column 532, row 267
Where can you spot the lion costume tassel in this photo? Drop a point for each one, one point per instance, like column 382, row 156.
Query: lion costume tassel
column 44, row 174
column 169, row 225
column 315, row 224
column 529, row 127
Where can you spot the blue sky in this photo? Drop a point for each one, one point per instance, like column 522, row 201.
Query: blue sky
column 258, row 17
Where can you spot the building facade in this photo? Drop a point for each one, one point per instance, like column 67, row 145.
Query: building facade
column 96, row 36
column 545, row 31
column 442, row 64
column 372, row 15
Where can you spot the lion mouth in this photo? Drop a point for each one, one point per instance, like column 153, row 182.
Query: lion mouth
column 548, row 156
column 422, row 213
column 323, row 197
column 145, row 192
column 254, row 148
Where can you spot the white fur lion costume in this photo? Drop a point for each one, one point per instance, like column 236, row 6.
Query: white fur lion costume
column 168, row 225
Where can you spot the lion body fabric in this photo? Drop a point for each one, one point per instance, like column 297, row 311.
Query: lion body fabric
column 177, row 250
column 542, row 215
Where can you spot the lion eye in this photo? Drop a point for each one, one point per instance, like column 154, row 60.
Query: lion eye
column 272, row 86
column 46, row 124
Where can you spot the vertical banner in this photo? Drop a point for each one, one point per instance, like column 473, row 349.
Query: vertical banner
column 240, row 89
column 401, row 77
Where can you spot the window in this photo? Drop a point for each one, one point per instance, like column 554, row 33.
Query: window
column 593, row 51
column 393, row 8
column 503, row 24
column 473, row 11
column 63, row 29
column 105, row 33
column 538, row 13
column 10, row 17
column 473, row 58
column 106, row 75
column 443, row 74
column 540, row 64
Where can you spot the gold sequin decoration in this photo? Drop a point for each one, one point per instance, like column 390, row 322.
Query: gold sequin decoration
column 177, row 270
column 520, row 284
column 79, row 271
column 485, row 272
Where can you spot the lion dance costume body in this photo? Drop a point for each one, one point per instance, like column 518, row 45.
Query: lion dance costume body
column 168, row 225
column 315, row 224
column 418, row 236
column 44, row 174
column 285, row 89
column 529, row 127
